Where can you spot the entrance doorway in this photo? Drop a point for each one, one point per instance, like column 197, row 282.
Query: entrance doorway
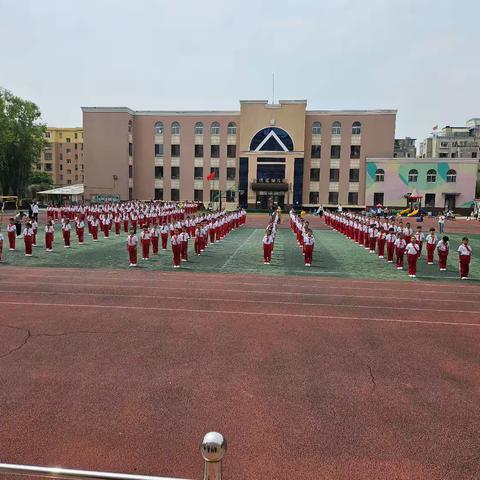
column 450, row 201
column 270, row 200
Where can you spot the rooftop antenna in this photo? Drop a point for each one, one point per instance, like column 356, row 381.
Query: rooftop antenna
column 273, row 88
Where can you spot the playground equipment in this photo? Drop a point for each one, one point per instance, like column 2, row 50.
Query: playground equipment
column 414, row 213
column 404, row 211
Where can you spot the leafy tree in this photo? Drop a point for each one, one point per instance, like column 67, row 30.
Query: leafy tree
column 40, row 178
column 22, row 138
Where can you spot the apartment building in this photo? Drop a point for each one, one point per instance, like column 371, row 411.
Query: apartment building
column 62, row 159
column 405, row 148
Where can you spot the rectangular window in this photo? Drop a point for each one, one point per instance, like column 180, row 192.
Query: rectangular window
column 334, row 174
column 67, row 140
column 175, row 195
column 61, row 167
column 313, row 198
column 47, row 134
column 215, row 170
column 231, row 173
column 230, row 196
column 198, row 151
column 231, row 151
column 378, row 198
column 61, row 156
column 354, row 175
column 443, row 155
column 314, row 175
column 316, row 151
column 214, row 197
column 69, row 172
column 130, row 171
column 198, row 195
column 175, row 175
column 198, row 173
column 76, row 146
column 335, row 151
column 75, row 135
column 159, row 194
column 158, row 174
column 175, row 150
column 159, row 149
column 214, row 151
column 130, row 149
column 68, row 150
column 353, row 198
column 430, row 200
column 76, row 168
column 130, row 193
column 333, row 198
column 474, row 154
column 48, row 156
column 355, row 151
column 69, row 182
column 48, row 167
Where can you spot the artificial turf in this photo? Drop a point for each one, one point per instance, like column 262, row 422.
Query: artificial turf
column 241, row 252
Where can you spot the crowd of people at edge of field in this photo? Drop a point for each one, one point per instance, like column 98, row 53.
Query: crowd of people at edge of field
column 388, row 236
column 157, row 221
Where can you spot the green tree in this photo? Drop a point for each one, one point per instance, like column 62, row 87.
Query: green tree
column 38, row 182
column 22, row 139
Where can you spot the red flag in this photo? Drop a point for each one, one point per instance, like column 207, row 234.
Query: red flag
column 211, row 176
column 435, row 127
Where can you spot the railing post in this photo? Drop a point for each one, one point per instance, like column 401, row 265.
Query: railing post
column 213, row 450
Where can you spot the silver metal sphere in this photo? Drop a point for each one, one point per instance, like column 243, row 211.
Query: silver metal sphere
column 213, row 447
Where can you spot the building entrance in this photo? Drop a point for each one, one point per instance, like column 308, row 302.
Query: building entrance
column 270, row 200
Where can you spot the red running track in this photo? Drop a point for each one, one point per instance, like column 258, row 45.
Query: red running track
column 330, row 379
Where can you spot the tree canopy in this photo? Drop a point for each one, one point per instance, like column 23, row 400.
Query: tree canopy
column 22, row 139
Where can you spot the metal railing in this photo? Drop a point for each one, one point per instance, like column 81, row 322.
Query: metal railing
column 213, row 449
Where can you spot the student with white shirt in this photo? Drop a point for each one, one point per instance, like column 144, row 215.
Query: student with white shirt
column 413, row 251
column 132, row 242
column 400, row 245
column 267, row 247
column 66, row 229
column 308, row 245
column 176, row 248
column 49, row 233
column 464, row 257
column 442, row 249
column 145, row 237
column 1, row 245
column 390, row 243
column 28, row 239
column 11, row 233
column 432, row 241
column 184, row 236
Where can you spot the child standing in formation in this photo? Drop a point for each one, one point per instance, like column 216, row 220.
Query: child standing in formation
column 1, row 244
column 34, row 224
column 11, row 233
column 28, row 239
column 184, row 236
column 80, row 228
column 267, row 246
column 132, row 242
column 66, row 229
column 49, row 233
column 176, row 248
column 308, row 243
column 360, row 227
column 145, row 237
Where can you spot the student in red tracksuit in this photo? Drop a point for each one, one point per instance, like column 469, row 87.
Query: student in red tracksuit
column 145, row 237
column 49, row 233
column 28, row 239
column 34, row 224
column 184, row 236
column 132, row 242
column 381, row 239
column 372, row 235
column 442, row 249
column 155, row 234
column 66, row 229
column 117, row 222
column 11, row 233
column 94, row 227
column 80, row 229
column 432, row 241
column 464, row 257
column 308, row 245
column 400, row 245
column 1, row 245
column 198, row 239
column 390, row 242
column 413, row 252
column 176, row 248
column 164, row 230
column 267, row 247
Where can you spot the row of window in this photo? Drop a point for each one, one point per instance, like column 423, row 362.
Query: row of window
column 198, row 151
column 198, row 173
column 413, row 176
column 199, row 128
column 60, row 135
column 227, row 196
column 336, row 128
column 455, row 155
column 335, row 151
column 314, row 198
column 354, row 175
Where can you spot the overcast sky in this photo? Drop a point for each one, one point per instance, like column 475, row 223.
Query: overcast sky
column 418, row 56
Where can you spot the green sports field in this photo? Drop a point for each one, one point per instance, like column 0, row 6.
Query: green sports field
column 241, row 252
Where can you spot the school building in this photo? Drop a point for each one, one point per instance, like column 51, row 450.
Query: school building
column 438, row 183
column 62, row 158
column 261, row 155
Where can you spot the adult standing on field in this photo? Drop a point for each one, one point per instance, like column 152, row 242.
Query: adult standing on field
column 441, row 223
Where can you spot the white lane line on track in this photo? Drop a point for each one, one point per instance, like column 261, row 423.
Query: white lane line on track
column 376, row 297
column 233, row 312
column 234, row 300
column 236, row 251
column 183, row 284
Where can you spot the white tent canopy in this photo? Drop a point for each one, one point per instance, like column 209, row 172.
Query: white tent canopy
column 68, row 190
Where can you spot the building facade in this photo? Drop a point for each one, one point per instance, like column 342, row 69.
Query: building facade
column 405, row 148
column 453, row 142
column 62, row 159
column 443, row 184
column 261, row 155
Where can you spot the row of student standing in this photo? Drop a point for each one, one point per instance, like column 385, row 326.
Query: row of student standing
column 304, row 234
column 268, row 240
column 379, row 235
